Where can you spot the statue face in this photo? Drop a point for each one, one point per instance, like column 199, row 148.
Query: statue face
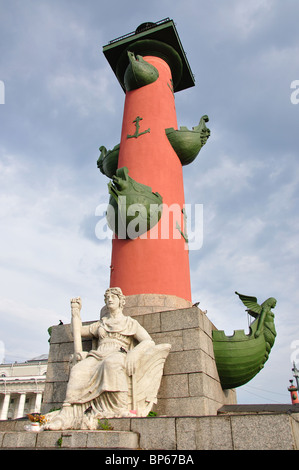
column 274, row 303
column 112, row 300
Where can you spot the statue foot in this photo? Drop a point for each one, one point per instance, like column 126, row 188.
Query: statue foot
column 57, row 424
column 58, row 420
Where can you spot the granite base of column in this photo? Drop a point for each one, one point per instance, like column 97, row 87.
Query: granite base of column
column 190, row 384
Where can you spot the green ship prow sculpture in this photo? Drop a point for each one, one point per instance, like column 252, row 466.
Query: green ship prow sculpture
column 108, row 160
column 241, row 356
column 133, row 208
column 187, row 143
column 139, row 73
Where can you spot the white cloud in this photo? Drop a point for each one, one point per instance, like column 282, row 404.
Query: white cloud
column 247, row 16
column 229, row 176
column 44, row 259
column 84, row 91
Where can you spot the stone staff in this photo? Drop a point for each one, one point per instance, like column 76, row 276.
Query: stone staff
column 76, row 305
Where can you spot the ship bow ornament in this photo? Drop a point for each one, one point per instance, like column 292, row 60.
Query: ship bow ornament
column 187, row 143
column 133, row 208
column 139, row 73
column 241, row 356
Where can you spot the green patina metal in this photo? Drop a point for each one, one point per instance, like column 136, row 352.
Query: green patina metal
column 187, row 143
column 133, row 208
column 241, row 356
column 137, row 125
column 139, row 73
column 170, row 86
column 178, row 227
column 159, row 39
column 108, row 160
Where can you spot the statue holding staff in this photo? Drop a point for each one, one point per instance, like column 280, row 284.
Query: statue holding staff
column 103, row 382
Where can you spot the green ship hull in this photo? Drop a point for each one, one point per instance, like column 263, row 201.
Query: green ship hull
column 108, row 161
column 187, row 143
column 239, row 357
column 133, row 208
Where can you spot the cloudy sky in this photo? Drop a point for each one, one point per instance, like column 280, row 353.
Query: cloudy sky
column 62, row 102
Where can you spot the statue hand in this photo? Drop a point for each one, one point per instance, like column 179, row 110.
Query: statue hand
column 76, row 302
column 131, row 360
column 76, row 305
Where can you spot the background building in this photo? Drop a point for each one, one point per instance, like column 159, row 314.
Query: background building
column 21, row 387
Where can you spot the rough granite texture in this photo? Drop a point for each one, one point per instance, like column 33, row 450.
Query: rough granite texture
column 252, row 431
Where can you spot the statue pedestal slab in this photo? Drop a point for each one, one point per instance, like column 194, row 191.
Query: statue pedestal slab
column 69, row 440
column 190, row 384
column 237, row 427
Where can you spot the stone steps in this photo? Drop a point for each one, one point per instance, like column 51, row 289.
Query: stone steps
column 69, row 440
column 234, row 428
column 14, row 436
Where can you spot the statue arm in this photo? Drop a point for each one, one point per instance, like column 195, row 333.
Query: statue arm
column 86, row 332
column 79, row 330
column 265, row 312
column 261, row 321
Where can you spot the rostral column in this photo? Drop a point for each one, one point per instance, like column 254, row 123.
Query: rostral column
column 146, row 167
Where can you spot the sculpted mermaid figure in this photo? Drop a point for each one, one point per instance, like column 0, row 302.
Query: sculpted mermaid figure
column 101, row 382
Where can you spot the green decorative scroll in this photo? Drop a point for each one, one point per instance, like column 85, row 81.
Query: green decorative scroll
column 137, row 133
column 139, row 73
column 133, row 208
column 240, row 357
column 186, row 143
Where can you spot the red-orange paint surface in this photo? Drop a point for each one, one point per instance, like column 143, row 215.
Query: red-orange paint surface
column 294, row 394
column 149, row 264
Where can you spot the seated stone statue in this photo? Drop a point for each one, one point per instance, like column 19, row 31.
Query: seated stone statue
column 120, row 377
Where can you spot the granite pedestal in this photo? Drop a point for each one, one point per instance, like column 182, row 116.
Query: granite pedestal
column 190, row 385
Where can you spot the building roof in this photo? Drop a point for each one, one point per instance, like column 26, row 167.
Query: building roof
column 43, row 357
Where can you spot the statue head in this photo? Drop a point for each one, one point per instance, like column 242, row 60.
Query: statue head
column 271, row 302
column 118, row 292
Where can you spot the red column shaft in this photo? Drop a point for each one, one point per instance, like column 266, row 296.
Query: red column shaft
column 149, row 264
